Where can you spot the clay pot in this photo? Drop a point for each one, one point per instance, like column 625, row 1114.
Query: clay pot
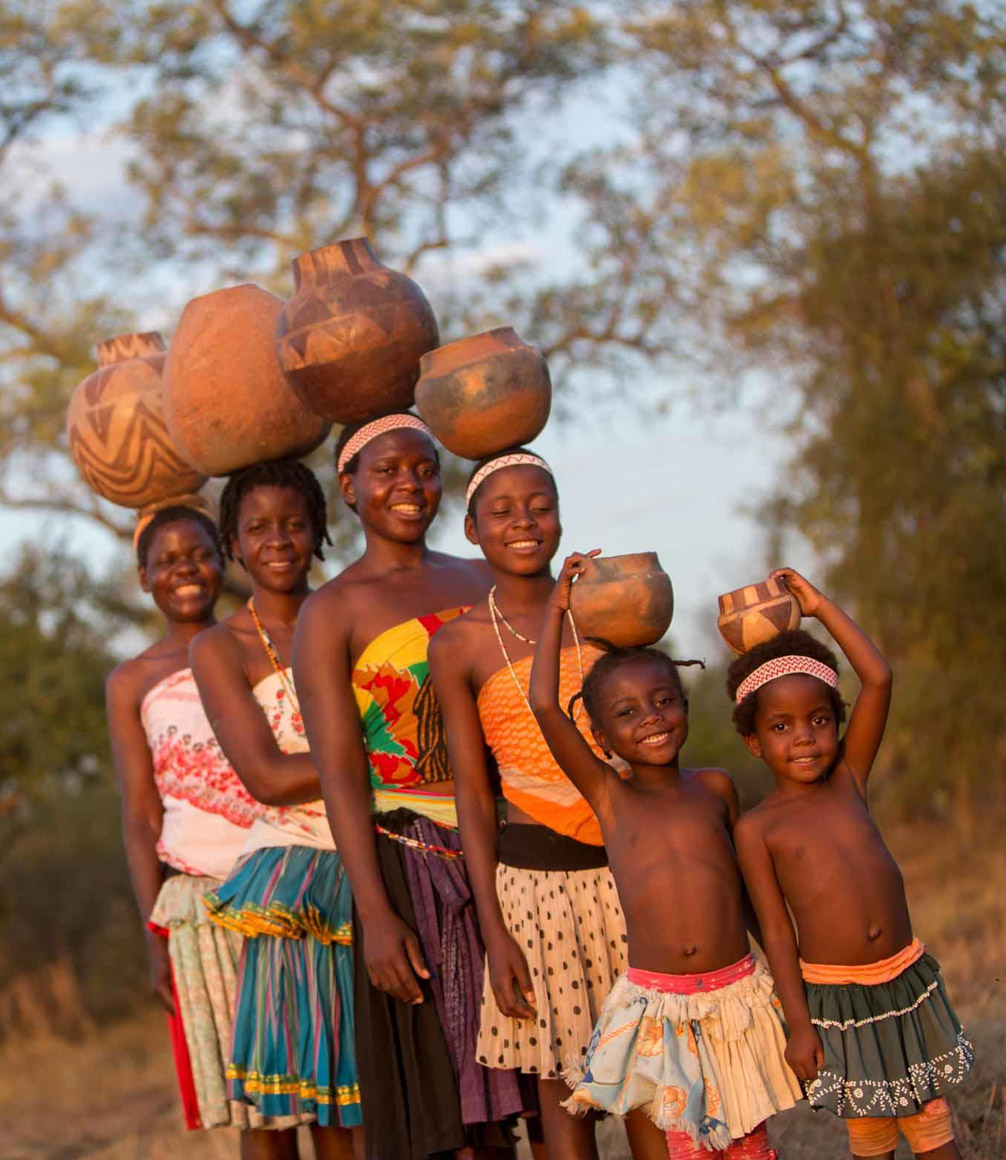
column 756, row 613
column 625, row 601
column 485, row 393
column 226, row 401
column 116, row 430
column 350, row 338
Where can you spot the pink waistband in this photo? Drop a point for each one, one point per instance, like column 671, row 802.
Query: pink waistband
column 692, row 984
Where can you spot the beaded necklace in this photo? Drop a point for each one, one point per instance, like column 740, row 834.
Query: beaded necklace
column 495, row 616
column 273, row 656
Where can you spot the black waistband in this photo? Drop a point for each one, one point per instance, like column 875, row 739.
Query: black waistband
column 530, row 847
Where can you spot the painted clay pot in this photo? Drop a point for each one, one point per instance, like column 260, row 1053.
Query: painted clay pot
column 116, row 430
column 625, row 601
column 225, row 398
column 756, row 613
column 483, row 394
column 350, row 339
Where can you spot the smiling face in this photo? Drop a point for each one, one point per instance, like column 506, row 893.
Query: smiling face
column 796, row 733
column 643, row 715
column 275, row 540
column 516, row 520
column 395, row 488
column 183, row 572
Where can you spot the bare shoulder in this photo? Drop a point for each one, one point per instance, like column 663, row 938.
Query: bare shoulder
column 751, row 826
column 717, row 781
column 124, row 683
column 475, row 566
column 459, row 640
column 214, row 642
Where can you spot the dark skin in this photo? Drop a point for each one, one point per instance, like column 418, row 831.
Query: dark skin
column 515, row 521
column 667, row 831
column 811, row 847
column 183, row 573
column 275, row 542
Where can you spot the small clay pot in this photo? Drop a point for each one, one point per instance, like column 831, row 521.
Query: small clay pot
column 483, row 394
column 756, row 613
column 625, row 601
column 226, row 401
column 116, row 430
column 350, row 339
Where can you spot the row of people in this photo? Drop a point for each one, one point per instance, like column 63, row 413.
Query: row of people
column 448, row 969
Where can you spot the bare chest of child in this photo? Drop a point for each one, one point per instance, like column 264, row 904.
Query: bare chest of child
column 674, row 865
column 844, row 889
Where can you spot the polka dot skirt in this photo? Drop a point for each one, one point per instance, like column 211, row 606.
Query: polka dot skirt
column 569, row 925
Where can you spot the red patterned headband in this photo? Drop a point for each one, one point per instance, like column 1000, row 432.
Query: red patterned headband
column 522, row 459
column 356, row 443
column 782, row 667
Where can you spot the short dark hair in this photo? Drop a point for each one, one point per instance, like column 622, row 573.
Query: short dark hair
column 487, row 459
column 274, row 473
column 611, row 662
column 174, row 515
column 351, row 429
column 793, row 642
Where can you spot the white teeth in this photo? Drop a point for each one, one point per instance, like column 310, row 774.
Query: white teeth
column 405, row 507
column 188, row 589
column 523, row 544
column 656, row 739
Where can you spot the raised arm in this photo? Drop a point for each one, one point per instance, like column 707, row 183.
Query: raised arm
column 321, row 667
column 270, row 775
column 142, row 815
column 508, row 971
column 575, row 757
column 804, row 1052
column 866, row 725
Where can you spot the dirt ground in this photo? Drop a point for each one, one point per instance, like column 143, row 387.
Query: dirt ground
column 112, row 1095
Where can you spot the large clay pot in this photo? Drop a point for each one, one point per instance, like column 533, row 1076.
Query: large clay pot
column 225, row 398
column 116, row 430
column 483, row 394
column 350, row 339
column 756, row 613
column 625, row 601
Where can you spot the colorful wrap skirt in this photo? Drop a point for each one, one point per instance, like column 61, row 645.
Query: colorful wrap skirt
column 889, row 1047
column 703, row 1054
column 204, row 967
column 423, row 1091
column 293, row 1050
column 559, row 902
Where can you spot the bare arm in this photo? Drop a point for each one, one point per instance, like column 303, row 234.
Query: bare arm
column 804, row 1053
column 575, row 757
column 865, row 730
column 322, row 674
column 269, row 775
column 476, row 803
column 142, row 815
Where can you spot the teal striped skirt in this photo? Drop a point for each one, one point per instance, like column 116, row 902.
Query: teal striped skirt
column 293, row 1050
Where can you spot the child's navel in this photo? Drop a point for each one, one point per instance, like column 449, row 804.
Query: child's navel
column 874, row 932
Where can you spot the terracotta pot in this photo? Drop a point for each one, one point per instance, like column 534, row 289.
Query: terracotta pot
column 350, row 339
column 485, row 393
column 756, row 613
column 625, row 601
column 116, row 430
column 225, row 398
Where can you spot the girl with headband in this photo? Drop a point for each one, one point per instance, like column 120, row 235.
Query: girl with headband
column 548, row 908
column 691, row 1032
column 185, row 818
column 872, row 1034
column 293, row 1051
column 360, row 662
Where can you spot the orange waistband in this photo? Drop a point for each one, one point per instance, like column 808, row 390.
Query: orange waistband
column 867, row 974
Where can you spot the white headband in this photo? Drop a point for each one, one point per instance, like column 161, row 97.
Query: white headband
column 522, row 459
column 356, row 443
column 782, row 667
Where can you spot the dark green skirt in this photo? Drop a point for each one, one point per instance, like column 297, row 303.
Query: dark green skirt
column 889, row 1048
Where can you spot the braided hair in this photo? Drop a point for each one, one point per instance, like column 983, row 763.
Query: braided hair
column 793, row 642
column 273, row 473
column 173, row 515
column 611, row 662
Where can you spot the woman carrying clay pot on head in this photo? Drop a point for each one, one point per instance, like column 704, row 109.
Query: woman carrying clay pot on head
column 292, row 1051
column 361, row 666
column 547, row 904
column 185, row 819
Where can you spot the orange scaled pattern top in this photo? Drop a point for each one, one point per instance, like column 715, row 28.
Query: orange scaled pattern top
column 530, row 777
